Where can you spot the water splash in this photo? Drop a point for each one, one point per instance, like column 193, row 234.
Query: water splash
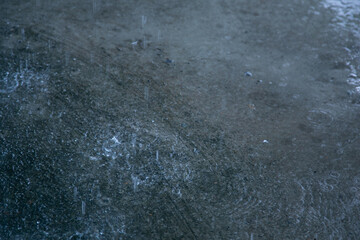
column 347, row 18
column 9, row 83
column 23, row 77
column 347, row 14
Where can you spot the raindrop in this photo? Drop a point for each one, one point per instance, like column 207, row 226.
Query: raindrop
column 135, row 181
column 75, row 192
column 146, row 93
column 91, row 57
column 143, row 21
column 83, row 206
column 94, row 6
column 23, row 33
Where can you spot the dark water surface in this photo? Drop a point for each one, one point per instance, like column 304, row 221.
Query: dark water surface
column 216, row 119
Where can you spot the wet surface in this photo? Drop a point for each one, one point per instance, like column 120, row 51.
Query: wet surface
column 180, row 120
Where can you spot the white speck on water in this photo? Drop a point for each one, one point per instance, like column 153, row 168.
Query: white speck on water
column 248, row 74
column 177, row 192
column 116, row 141
column 353, row 75
column 265, row 141
column 92, row 158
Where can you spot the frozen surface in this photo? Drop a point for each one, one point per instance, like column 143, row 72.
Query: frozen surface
column 180, row 119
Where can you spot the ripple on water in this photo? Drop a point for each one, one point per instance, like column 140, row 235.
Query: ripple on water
column 319, row 117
